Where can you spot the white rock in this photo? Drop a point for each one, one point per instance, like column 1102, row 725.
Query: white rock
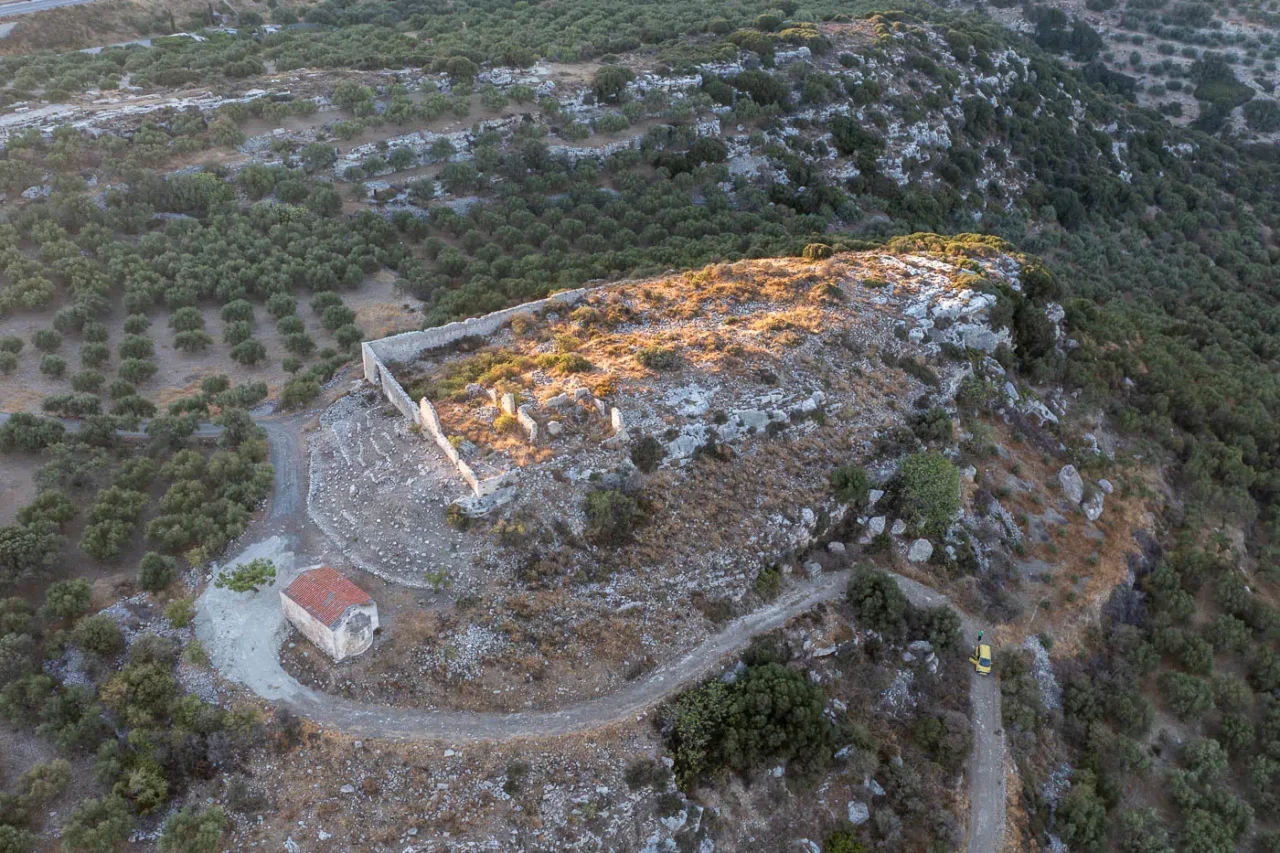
column 899, row 527
column 876, row 789
column 836, row 547
column 812, row 569
column 876, row 526
column 807, row 846
column 858, row 813
column 1093, row 506
column 347, row 789
column 970, row 473
column 873, row 496
column 1072, row 485
column 920, row 550
column 1106, row 486
column 554, row 428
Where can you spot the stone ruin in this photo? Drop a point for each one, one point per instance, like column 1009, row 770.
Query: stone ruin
column 489, row 489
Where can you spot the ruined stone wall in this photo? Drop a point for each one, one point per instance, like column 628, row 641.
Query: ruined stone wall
column 409, row 346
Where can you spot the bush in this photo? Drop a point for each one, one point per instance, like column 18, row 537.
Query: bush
column 647, row 454
column 146, row 787
column 155, row 571
column 136, row 370
column 249, row 353
column 99, row 634
column 98, row 826
column 843, row 841
column 770, row 713
column 1142, row 831
column 281, row 305
column 237, row 332
column 247, row 577
column 87, row 382
column 179, row 612
column 611, row 516
column 929, row 492
column 1082, row 815
column 67, row 599
column 658, row 358
column 817, row 252
column 8, row 362
column 877, row 602
column 300, row 344
column 298, row 392
column 25, row 431
column 135, row 324
column 46, row 340
column 94, row 354
column 194, row 830
column 237, row 310
column 14, row 840
column 53, row 365
column 940, row 626
column 1189, row 697
column 851, row 484
column 136, row 346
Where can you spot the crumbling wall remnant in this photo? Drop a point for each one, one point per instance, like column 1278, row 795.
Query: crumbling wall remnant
column 408, row 346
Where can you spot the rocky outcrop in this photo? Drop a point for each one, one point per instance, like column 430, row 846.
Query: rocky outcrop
column 1072, row 484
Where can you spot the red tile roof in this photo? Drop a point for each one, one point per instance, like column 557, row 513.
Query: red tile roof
column 326, row 594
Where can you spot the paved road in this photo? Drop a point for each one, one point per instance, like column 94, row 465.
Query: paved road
column 29, row 6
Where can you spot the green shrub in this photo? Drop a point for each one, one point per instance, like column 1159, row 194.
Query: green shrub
column 929, row 492
column 155, row 571
column 280, row 305
column 1082, row 815
column 237, row 310
column 99, row 634
column 46, row 340
column 179, row 612
column 647, row 454
column 247, row 577
column 135, row 324
column 194, row 830
column 136, row 370
column 877, row 602
column 31, row 433
column 67, row 599
column 769, row 713
column 249, row 352
column 1189, row 697
column 298, row 392
column 136, row 346
column 611, row 516
column 843, row 841
column 14, row 840
column 98, row 826
column 851, row 484
column 53, row 365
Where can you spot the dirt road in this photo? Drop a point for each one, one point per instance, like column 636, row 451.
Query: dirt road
column 243, row 633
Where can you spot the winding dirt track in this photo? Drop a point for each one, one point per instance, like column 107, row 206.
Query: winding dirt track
column 243, row 636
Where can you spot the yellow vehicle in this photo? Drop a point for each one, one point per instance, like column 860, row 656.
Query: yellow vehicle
column 981, row 659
